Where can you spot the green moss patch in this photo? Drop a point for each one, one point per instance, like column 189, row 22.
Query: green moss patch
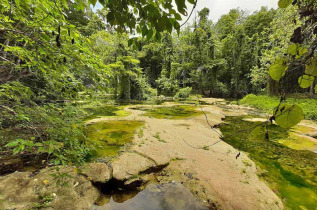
column 304, row 129
column 107, row 137
column 106, row 111
column 299, row 142
column 173, row 112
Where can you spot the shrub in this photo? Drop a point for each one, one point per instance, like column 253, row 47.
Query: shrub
column 268, row 103
column 183, row 93
column 52, row 130
column 141, row 90
column 14, row 92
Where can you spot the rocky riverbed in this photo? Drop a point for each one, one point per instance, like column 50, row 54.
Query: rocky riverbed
column 183, row 150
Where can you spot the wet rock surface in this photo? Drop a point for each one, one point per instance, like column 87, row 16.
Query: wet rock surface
column 129, row 165
column 97, row 172
column 68, row 187
column 61, row 186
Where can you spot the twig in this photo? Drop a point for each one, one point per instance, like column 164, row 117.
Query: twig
column 7, row 60
column 189, row 14
column 207, row 118
column 221, row 136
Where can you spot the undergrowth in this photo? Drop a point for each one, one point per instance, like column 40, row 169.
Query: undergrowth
column 52, row 131
column 267, row 104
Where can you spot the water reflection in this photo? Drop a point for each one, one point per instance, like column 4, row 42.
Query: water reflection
column 155, row 197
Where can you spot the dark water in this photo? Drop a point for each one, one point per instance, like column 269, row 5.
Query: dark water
column 171, row 196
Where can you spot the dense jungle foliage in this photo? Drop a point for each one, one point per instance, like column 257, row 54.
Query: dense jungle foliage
column 55, row 53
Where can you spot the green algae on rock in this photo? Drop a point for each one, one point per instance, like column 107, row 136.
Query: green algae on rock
column 106, row 111
column 171, row 112
column 290, row 173
column 107, row 137
column 300, row 142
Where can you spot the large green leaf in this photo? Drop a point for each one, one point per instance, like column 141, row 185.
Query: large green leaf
column 302, row 50
column 296, row 49
column 277, row 70
column 288, row 115
column 292, row 49
column 259, row 131
column 284, row 3
column 144, row 30
column 177, row 16
column 181, row 6
column 158, row 36
column 149, row 34
column 305, row 81
column 315, row 88
column 311, row 67
column 130, row 42
column 12, row 144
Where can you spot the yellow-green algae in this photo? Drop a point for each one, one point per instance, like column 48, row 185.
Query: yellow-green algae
column 299, row 142
column 171, row 112
column 106, row 110
column 290, row 173
column 300, row 138
column 107, row 137
column 304, row 129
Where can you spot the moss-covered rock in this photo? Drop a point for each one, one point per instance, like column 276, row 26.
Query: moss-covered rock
column 171, row 112
column 106, row 138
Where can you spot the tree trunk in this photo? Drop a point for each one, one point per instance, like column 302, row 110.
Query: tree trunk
column 125, row 88
column 311, row 91
column 272, row 87
column 6, row 43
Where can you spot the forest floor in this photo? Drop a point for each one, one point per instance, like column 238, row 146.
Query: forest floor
column 185, row 150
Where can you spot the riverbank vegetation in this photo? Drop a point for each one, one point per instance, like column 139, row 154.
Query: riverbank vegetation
column 268, row 103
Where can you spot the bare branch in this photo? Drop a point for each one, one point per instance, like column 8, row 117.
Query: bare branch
column 7, row 60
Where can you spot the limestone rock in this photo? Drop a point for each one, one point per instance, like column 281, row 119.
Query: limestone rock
column 129, row 165
column 69, row 190
column 96, row 172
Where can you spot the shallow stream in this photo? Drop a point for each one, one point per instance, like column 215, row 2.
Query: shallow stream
column 171, row 196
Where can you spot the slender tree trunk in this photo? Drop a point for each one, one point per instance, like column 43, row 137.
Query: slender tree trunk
column 6, row 43
column 116, row 86
column 311, row 91
column 272, row 86
column 125, row 88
